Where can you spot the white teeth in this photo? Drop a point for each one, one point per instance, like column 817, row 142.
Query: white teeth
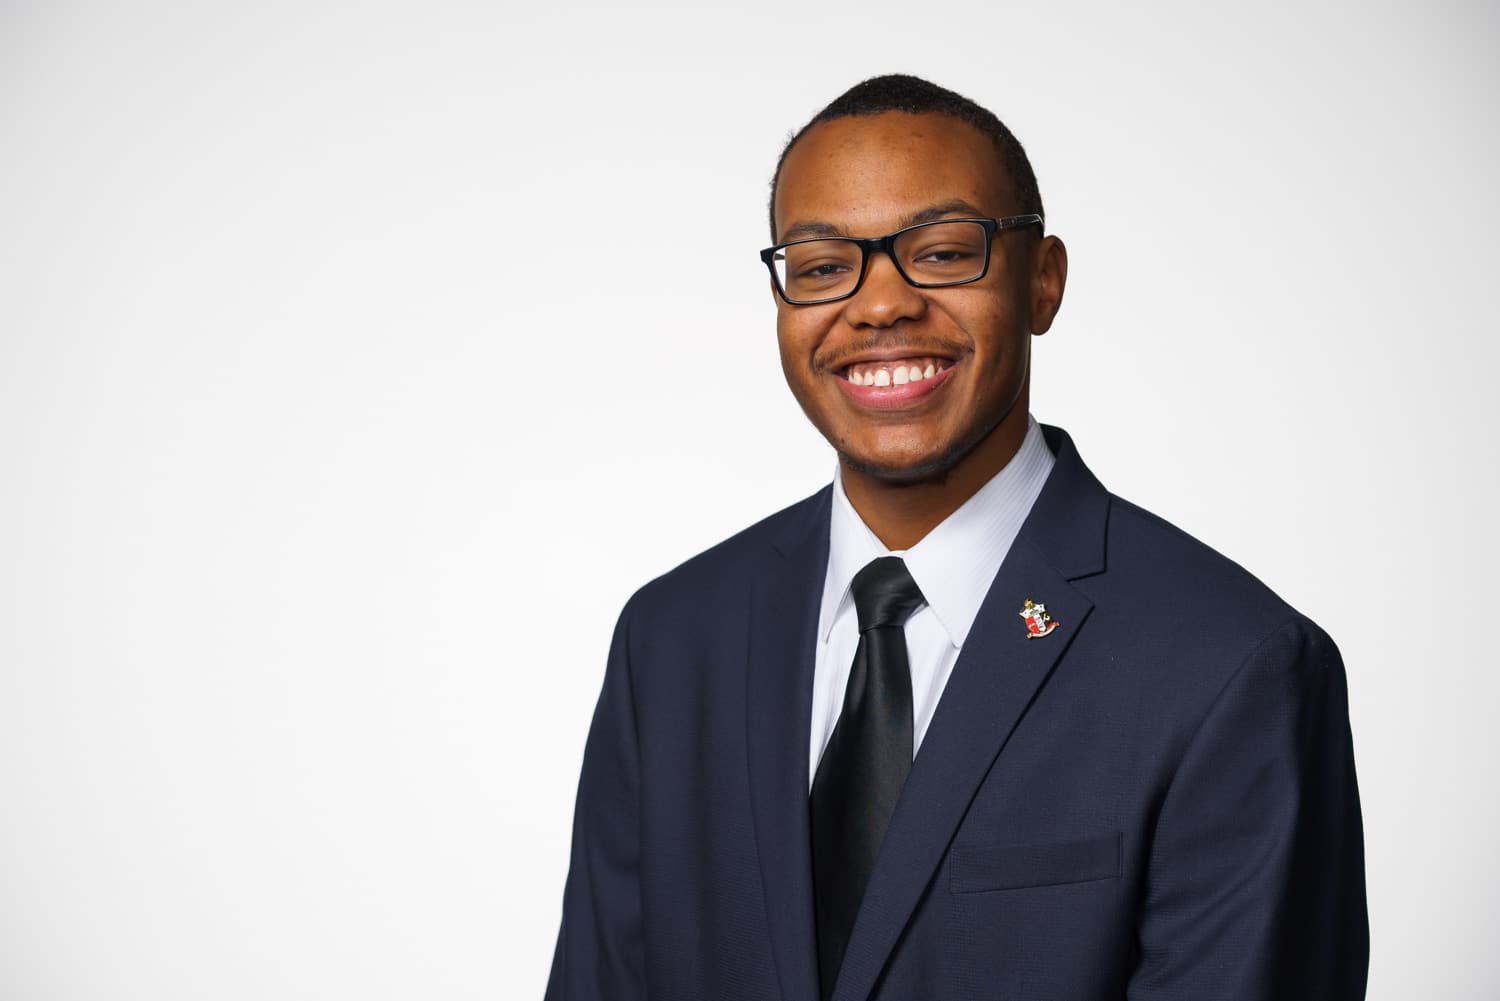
column 893, row 374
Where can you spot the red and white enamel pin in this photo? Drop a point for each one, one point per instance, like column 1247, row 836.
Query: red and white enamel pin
column 1038, row 622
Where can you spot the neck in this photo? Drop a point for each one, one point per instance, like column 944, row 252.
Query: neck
column 901, row 514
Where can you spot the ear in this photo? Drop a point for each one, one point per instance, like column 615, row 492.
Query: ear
column 1049, row 276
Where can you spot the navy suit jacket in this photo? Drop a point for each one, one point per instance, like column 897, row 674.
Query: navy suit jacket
column 1156, row 800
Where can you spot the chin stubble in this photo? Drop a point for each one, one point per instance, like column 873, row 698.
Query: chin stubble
column 930, row 473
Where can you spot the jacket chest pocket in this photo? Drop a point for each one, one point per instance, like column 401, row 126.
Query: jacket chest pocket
column 975, row 868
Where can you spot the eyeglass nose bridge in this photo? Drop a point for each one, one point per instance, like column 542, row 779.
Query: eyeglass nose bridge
column 868, row 248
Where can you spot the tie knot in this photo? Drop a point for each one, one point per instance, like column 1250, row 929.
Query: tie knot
column 885, row 594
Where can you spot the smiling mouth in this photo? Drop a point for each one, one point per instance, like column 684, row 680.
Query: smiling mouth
column 894, row 371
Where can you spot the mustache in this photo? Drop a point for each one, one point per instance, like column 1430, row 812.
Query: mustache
column 888, row 343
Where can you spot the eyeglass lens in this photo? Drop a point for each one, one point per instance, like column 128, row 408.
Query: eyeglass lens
column 939, row 253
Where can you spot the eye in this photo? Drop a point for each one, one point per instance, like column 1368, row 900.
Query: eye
column 821, row 263
column 943, row 255
column 945, row 263
column 822, row 269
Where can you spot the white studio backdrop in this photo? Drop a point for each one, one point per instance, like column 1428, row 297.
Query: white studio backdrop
column 358, row 360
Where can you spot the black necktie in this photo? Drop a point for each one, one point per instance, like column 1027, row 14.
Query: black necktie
column 865, row 764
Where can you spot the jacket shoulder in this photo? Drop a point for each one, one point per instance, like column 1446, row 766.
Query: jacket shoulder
column 1175, row 569
column 1188, row 619
column 723, row 569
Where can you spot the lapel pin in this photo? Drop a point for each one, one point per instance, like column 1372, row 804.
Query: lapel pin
column 1038, row 622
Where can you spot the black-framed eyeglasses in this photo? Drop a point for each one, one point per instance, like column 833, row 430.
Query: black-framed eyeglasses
column 928, row 255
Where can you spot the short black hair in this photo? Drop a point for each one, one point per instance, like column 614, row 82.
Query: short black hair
column 900, row 92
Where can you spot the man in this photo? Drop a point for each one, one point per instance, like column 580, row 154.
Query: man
column 962, row 724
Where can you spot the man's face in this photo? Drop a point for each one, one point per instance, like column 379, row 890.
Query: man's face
column 866, row 177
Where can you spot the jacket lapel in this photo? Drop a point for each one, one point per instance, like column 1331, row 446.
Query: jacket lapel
column 783, row 634
column 998, row 673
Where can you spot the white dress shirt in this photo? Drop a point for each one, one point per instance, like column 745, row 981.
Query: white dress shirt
column 953, row 566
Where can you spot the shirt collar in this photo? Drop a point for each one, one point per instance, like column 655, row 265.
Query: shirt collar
column 956, row 561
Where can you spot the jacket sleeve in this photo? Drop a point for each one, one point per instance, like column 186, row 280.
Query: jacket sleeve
column 599, row 952
column 1255, row 883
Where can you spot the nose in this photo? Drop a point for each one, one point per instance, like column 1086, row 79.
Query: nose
column 884, row 298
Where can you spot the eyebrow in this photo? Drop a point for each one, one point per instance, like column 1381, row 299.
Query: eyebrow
column 956, row 206
column 809, row 228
